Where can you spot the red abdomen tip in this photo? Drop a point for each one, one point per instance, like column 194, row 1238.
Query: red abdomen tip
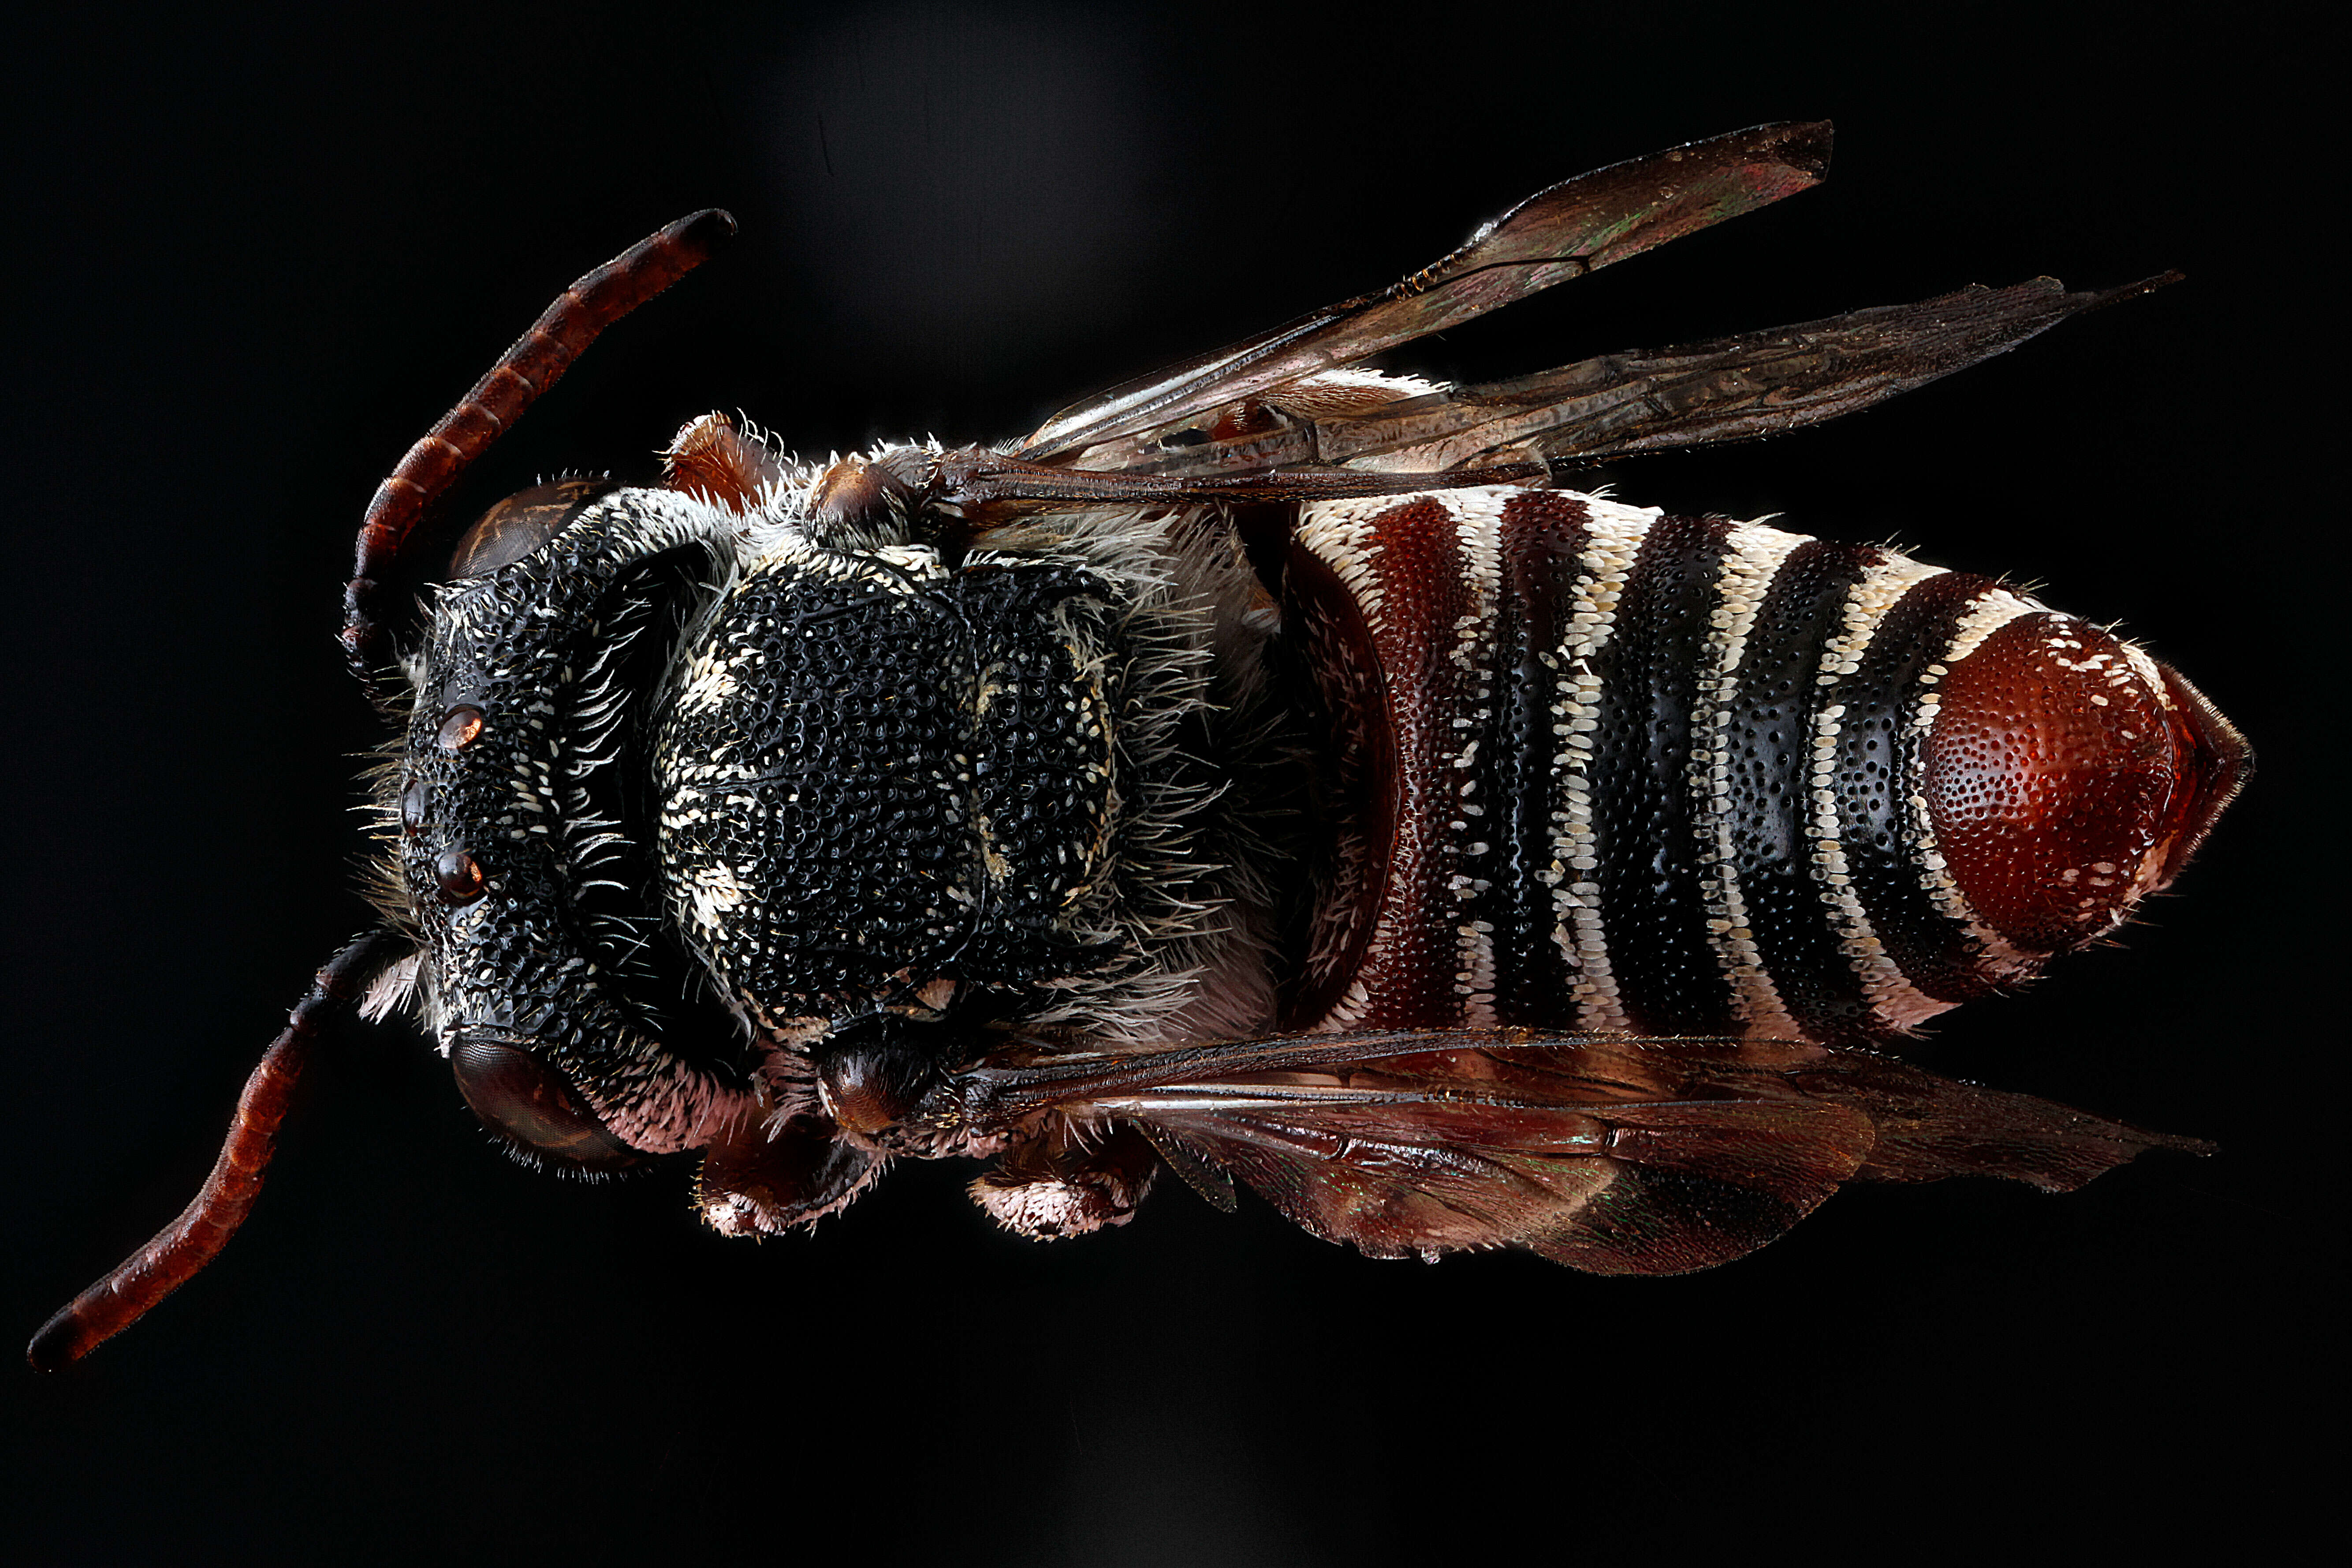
column 2068, row 775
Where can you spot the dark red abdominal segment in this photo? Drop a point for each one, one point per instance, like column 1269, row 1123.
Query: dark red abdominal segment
column 2067, row 777
column 1388, row 688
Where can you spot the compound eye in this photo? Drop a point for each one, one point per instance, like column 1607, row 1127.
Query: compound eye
column 521, row 523
column 522, row 1098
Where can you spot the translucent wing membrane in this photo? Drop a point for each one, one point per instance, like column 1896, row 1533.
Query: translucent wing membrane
column 1611, row 1154
column 1564, row 232
column 1726, row 389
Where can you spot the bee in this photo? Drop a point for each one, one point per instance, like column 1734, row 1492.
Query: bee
column 1268, row 768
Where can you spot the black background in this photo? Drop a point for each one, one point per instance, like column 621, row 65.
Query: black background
column 256, row 258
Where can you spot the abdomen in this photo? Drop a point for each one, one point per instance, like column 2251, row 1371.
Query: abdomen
column 1603, row 769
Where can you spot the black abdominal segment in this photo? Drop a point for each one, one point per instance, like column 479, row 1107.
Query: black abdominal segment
column 1645, row 811
column 1771, row 718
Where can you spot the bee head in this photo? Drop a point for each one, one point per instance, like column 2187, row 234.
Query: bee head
column 522, row 852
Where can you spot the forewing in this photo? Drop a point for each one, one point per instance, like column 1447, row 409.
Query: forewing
column 1611, row 1154
column 1726, row 389
column 1561, row 233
